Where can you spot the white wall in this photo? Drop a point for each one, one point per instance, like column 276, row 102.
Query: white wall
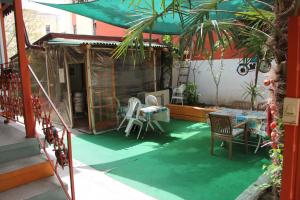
column 63, row 18
column 84, row 25
column 231, row 84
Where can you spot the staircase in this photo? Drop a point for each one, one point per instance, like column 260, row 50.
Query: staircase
column 24, row 171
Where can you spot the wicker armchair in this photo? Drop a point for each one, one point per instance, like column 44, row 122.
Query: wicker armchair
column 244, row 105
column 221, row 128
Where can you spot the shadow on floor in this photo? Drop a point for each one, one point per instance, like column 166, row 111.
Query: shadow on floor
column 116, row 140
column 180, row 168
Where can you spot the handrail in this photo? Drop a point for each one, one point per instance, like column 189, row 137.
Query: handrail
column 48, row 98
column 10, row 100
column 70, row 162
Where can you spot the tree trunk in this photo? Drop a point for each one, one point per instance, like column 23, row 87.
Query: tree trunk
column 257, row 71
column 217, row 95
column 283, row 9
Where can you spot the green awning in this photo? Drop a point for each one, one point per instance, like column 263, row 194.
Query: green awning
column 121, row 14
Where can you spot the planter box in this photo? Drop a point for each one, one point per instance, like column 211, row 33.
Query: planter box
column 255, row 191
column 190, row 113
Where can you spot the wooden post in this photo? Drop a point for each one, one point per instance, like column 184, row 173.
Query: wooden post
column 113, row 90
column 154, row 71
column 68, row 88
column 90, row 90
column 25, row 73
column 291, row 160
column 47, row 68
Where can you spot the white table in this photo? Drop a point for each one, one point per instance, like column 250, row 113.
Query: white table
column 155, row 114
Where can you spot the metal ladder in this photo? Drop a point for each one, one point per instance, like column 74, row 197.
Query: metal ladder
column 184, row 72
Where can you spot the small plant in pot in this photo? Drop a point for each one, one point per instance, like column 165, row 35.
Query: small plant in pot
column 191, row 94
column 253, row 91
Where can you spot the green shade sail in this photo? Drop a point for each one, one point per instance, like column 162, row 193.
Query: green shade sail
column 120, row 13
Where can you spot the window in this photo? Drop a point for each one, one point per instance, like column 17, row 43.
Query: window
column 47, row 29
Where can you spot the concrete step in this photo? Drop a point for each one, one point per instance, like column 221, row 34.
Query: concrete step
column 44, row 189
column 14, row 145
column 22, row 171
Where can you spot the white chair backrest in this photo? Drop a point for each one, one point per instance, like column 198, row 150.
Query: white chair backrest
column 134, row 104
column 151, row 100
column 181, row 88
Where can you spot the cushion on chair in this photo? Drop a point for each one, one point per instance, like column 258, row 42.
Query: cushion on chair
column 237, row 131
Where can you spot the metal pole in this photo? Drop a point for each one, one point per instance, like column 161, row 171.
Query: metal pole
column 25, row 74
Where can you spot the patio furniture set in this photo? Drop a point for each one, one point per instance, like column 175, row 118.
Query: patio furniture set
column 229, row 124
column 150, row 113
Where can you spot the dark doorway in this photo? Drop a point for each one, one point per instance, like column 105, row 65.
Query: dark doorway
column 78, row 96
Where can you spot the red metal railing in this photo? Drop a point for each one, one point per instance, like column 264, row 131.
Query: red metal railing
column 44, row 110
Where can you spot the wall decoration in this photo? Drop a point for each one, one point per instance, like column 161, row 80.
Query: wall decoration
column 245, row 67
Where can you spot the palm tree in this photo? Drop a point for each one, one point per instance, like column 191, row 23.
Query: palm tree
column 259, row 31
column 283, row 10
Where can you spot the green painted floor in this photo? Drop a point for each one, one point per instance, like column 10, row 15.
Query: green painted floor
column 176, row 165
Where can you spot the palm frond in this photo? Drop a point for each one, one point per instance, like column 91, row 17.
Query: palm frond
column 260, row 12
column 207, row 31
column 134, row 36
column 249, row 32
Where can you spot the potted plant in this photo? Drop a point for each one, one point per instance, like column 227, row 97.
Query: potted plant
column 252, row 90
column 191, row 93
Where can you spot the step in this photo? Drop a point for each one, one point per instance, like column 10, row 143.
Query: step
column 43, row 189
column 14, row 145
column 22, row 171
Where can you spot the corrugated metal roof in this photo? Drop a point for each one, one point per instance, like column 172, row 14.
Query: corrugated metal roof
column 75, row 42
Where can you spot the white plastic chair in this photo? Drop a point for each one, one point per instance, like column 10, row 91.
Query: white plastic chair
column 132, row 114
column 177, row 94
column 151, row 100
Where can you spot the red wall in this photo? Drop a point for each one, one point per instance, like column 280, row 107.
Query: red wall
column 229, row 53
column 104, row 29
